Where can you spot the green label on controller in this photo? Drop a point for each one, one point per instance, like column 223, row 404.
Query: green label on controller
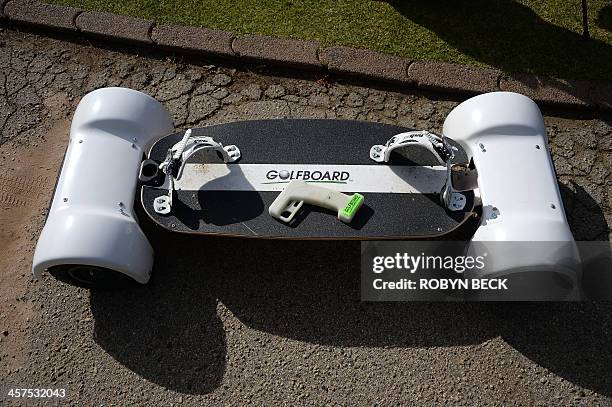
column 353, row 206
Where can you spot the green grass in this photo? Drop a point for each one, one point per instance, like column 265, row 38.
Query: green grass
column 541, row 37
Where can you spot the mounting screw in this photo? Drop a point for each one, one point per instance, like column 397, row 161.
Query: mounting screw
column 495, row 213
column 80, row 141
column 553, row 206
column 172, row 225
column 537, row 146
column 65, row 199
column 482, row 147
column 120, row 203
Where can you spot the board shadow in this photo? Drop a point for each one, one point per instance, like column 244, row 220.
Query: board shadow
column 171, row 332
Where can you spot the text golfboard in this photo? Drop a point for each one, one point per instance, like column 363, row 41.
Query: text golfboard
column 344, row 178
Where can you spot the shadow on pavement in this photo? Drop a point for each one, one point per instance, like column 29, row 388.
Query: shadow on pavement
column 169, row 333
column 572, row 340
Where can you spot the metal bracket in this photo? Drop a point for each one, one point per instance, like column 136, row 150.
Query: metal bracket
column 452, row 199
column 177, row 157
column 183, row 152
column 162, row 204
column 437, row 145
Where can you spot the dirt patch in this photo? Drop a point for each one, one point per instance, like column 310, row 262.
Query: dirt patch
column 27, row 180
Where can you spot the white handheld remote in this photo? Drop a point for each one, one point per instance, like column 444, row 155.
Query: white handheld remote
column 288, row 202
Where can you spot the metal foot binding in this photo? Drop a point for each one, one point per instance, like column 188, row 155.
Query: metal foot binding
column 452, row 199
column 437, row 145
column 177, row 157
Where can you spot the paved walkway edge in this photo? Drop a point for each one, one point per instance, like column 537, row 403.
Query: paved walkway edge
column 310, row 55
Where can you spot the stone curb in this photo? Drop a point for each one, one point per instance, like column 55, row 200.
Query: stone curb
column 453, row 77
column 365, row 63
column 549, row 90
column 115, row 26
column 194, row 39
column 341, row 60
column 43, row 14
column 2, row 4
column 602, row 96
column 281, row 51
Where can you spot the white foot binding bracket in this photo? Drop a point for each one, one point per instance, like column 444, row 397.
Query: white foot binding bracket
column 177, row 158
column 287, row 204
column 432, row 142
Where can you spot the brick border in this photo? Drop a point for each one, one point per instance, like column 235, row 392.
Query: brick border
column 115, row 26
column 341, row 60
column 453, row 77
column 549, row 90
column 2, row 4
column 365, row 64
column 42, row 14
column 194, row 40
column 278, row 51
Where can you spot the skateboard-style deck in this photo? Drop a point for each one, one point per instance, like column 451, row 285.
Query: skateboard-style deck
column 401, row 197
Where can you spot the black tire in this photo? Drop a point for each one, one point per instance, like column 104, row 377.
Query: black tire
column 91, row 277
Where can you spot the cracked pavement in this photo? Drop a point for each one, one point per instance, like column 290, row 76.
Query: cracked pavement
column 288, row 328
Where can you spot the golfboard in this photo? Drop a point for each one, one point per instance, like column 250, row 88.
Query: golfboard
column 300, row 179
column 401, row 197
